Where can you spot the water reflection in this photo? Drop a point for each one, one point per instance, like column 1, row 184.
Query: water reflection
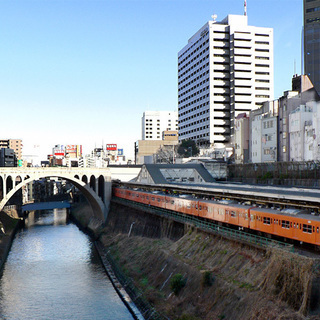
column 53, row 272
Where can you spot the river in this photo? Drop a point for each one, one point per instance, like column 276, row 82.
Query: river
column 53, row 272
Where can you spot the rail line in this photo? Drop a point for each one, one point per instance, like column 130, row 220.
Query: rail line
column 225, row 232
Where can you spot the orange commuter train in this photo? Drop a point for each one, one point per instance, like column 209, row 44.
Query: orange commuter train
column 295, row 225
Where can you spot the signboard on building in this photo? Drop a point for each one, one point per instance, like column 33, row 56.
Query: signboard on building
column 120, row 152
column 111, row 147
column 74, row 150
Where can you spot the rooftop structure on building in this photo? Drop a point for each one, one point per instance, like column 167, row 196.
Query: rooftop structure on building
column 154, row 123
column 311, row 22
column 225, row 69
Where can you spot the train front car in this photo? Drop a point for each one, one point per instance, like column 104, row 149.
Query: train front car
column 294, row 224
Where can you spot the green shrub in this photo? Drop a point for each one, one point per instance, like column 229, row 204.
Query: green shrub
column 207, row 279
column 177, row 282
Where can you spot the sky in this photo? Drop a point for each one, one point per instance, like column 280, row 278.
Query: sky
column 84, row 71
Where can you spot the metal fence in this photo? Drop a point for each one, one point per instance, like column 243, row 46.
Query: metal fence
column 306, row 173
column 248, row 238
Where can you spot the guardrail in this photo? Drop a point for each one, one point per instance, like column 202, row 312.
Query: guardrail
column 251, row 239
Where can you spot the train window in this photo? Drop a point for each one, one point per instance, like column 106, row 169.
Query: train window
column 266, row 220
column 317, row 229
column 172, row 202
column 246, row 216
column 285, row 224
column 313, row 229
column 147, row 197
column 137, row 196
column 227, row 211
column 158, row 199
column 252, row 218
column 233, row 214
column 290, row 224
column 196, row 206
column 200, row 207
column 152, row 198
column 307, row 228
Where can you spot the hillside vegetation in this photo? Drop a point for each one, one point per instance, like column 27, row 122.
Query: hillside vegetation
column 188, row 274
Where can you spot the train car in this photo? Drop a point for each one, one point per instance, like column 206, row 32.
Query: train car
column 157, row 199
column 187, row 204
column 300, row 227
column 119, row 192
column 227, row 212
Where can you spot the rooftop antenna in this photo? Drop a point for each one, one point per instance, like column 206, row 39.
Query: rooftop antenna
column 214, row 17
column 245, row 7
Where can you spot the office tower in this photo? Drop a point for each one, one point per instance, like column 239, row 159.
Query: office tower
column 311, row 21
column 225, row 69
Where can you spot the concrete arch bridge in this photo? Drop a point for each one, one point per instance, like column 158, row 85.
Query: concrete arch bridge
column 94, row 183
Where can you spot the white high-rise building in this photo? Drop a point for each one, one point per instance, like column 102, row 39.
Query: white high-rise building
column 225, row 69
column 155, row 122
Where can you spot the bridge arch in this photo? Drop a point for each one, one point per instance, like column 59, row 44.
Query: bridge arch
column 9, row 184
column 84, row 179
column 101, row 183
column 18, row 180
column 98, row 206
column 93, row 182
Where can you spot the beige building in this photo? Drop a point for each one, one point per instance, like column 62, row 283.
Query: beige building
column 14, row 144
column 146, row 149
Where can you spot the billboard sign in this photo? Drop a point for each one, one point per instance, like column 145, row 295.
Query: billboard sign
column 120, row 152
column 111, row 147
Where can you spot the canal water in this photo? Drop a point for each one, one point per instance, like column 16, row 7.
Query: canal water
column 54, row 272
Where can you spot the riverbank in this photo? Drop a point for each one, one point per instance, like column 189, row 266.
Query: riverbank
column 10, row 227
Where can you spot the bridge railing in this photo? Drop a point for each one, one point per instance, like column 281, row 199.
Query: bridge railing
column 251, row 239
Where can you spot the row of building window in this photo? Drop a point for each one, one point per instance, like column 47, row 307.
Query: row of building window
column 193, row 52
column 180, row 108
column 194, row 88
column 311, row 20
column 192, row 60
column 194, row 130
column 193, row 74
column 200, row 136
column 194, row 116
column 315, row 9
column 192, row 95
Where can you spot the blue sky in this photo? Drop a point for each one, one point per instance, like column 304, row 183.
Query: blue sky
column 84, row 71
